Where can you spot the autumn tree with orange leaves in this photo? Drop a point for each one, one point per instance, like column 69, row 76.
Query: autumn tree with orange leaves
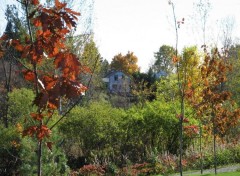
column 47, row 42
column 125, row 63
column 216, row 109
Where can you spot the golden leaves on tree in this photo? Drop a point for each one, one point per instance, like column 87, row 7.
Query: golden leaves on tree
column 126, row 63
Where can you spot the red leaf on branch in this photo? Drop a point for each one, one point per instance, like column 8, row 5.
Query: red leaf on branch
column 16, row 44
column 52, row 25
column 55, row 51
column 37, row 22
column 42, row 132
column 72, row 12
column 47, row 34
column 75, row 89
column 70, row 22
column 36, row 116
column 41, row 100
column 64, row 31
column 191, row 129
column 53, row 104
column 30, row 131
column 59, row 5
column 35, row 2
column 68, row 63
column 29, row 75
column 49, row 82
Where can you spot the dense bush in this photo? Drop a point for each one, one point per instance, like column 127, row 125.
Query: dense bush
column 10, row 160
column 227, row 154
column 20, row 105
column 103, row 135
column 99, row 139
column 92, row 134
column 17, row 154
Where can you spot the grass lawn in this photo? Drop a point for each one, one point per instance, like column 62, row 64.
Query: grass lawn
column 212, row 174
column 219, row 174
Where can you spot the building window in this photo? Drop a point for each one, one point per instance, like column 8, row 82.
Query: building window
column 115, row 77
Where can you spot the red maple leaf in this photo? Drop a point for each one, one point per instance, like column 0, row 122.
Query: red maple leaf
column 29, row 75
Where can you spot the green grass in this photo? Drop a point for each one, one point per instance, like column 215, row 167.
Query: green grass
column 219, row 174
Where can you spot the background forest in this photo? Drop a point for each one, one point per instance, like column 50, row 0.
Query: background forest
column 58, row 115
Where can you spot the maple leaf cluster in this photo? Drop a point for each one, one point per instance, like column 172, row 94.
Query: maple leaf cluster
column 51, row 27
column 191, row 130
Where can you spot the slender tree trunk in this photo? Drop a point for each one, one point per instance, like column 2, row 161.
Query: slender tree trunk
column 201, row 156
column 214, row 140
column 39, row 160
column 5, row 111
column 180, row 92
column 39, row 147
column 214, row 149
column 181, row 146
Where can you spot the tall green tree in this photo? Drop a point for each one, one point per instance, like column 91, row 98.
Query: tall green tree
column 163, row 59
column 9, row 68
column 91, row 56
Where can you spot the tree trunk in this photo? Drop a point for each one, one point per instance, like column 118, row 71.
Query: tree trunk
column 181, row 135
column 39, row 160
column 201, row 156
column 214, row 140
column 214, row 149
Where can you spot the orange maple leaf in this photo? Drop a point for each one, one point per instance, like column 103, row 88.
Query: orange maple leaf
column 35, row 2
column 37, row 116
column 29, row 75
column 42, row 132
column 175, row 59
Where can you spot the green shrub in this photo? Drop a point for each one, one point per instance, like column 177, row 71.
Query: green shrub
column 21, row 152
column 54, row 161
column 9, row 151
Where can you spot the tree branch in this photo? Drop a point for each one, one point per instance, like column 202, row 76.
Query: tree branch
column 79, row 99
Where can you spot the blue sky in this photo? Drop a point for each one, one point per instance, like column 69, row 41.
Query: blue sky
column 143, row 26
